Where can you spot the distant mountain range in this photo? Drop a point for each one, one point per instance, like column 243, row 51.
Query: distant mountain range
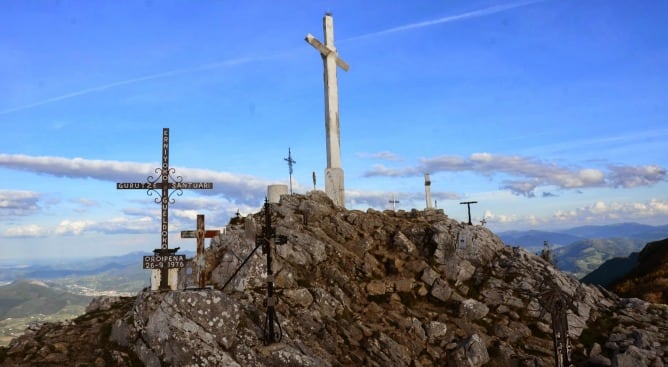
column 122, row 273
column 581, row 250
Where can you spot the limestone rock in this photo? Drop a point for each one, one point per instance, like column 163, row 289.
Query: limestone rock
column 441, row 290
column 470, row 352
column 358, row 288
column 471, row 309
column 102, row 303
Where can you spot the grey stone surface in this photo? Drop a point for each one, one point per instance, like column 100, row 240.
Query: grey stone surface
column 358, row 289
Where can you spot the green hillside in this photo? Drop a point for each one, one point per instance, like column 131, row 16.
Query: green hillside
column 25, row 302
column 26, row 298
column 582, row 257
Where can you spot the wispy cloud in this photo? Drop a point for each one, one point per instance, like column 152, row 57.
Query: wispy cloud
column 448, row 19
column 244, row 189
column 634, row 176
column 606, row 212
column 384, row 155
column 527, row 173
column 30, row 230
column 599, row 212
column 166, row 74
column 249, row 59
column 18, row 202
column 143, row 219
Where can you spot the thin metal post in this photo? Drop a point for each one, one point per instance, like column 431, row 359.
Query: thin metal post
column 468, row 204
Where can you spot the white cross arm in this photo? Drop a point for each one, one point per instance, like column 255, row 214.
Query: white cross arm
column 324, row 50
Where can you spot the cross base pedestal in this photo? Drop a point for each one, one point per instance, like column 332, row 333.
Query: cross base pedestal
column 165, row 278
column 334, row 185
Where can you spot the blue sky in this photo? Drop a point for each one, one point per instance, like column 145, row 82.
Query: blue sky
column 549, row 113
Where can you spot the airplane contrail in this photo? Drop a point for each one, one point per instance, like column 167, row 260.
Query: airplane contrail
column 246, row 60
column 231, row 62
column 448, row 19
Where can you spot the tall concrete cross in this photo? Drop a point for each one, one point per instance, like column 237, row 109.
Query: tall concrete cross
column 394, row 202
column 164, row 258
column 334, row 173
column 427, row 190
column 200, row 234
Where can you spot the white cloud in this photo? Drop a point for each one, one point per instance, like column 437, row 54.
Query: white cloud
column 633, row 176
column 87, row 202
column 18, row 202
column 526, row 174
column 599, row 212
column 384, row 155
column 491, row 217
column 236, row 187
column 30, row 230
column 121, row 225
column 69, row 227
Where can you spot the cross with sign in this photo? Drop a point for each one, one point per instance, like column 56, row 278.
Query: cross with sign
column 200, row 234
column 164, row 181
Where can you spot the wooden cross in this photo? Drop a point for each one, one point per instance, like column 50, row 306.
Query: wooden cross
column 164, row 256
column 330, row 57
column 200, row 234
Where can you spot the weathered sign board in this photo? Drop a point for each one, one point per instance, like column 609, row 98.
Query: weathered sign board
column 169, row 261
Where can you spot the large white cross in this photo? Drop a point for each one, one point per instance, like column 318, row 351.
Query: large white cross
column 334, row 173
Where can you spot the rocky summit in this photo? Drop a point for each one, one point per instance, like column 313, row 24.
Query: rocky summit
column 354, row 288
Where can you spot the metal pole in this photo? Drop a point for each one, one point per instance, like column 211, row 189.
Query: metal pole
column 468, row 204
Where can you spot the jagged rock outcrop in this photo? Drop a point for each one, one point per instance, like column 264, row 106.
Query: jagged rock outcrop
column 81, row 342
column 649, row 278
column 406, row 288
